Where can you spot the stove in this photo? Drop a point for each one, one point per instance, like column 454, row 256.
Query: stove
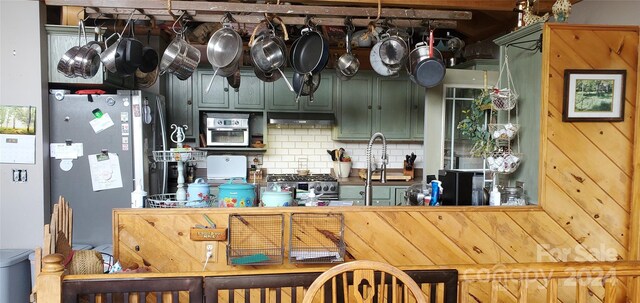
column 324, row 184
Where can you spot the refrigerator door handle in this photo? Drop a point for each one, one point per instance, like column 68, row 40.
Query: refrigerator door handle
column 165, row 165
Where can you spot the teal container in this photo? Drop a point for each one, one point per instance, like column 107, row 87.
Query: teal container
column 233, row 194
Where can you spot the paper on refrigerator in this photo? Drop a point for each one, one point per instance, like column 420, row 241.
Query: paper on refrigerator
column 105, row 171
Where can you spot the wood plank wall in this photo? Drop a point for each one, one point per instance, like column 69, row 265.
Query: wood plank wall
column 586, row 188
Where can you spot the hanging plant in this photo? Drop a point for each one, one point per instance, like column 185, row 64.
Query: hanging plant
column 473, row 125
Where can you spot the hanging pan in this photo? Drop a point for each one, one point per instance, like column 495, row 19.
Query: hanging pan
column 430, row 71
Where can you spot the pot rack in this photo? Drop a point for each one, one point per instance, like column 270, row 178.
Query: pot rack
column 205, row 11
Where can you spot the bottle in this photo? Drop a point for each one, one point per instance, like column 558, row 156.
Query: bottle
column 138, row 196
column 436, row 190
column 494, row 197
column 312, row 200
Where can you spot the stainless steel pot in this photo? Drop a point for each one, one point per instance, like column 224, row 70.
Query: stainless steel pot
column 87, row 60
column 393, row 50
column 180, row 58
column 224, row 50
column 108, row 56
column 427, row 70
column 347, row 64
column 66, row 63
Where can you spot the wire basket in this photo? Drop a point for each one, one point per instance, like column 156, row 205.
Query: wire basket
column 504, row 162
column 170, row 201
column 255, row 239
column 503, row 99
column 503, row 131
column 174, row 156
column 316, row 238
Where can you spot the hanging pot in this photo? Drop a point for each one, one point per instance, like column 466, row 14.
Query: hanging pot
column 309, row 53
column 393, row 50
column 347, row 64
column 128, row 56
column 224, row 50
column 429, row 72
column 108, row 56
column 377, row 64
column 149, row 60
column 234, row 80
column 305, row 85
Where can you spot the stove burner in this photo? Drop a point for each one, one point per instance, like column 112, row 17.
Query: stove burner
column 298, row 178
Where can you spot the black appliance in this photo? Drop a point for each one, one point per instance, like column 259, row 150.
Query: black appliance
column 457, row 185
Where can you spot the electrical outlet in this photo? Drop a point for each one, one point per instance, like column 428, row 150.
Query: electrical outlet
column 210, row 248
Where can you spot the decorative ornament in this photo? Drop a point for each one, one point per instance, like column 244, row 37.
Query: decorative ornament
column 531, row 18
column 561, row 10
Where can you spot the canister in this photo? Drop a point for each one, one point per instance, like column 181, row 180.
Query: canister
column 236, row 194
column 198, row 190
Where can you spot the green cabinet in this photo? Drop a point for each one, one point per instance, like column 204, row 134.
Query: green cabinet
column 278, row 97
column 382, row 195
column 179, row 104
column 369, row 103
column 221, row 96
column 392, row 107
column 417, row 111
column 354, row 113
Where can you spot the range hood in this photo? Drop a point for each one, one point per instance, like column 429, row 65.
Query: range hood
column 301, row 118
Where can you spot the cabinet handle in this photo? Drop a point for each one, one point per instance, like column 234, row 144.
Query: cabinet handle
column 226, row 89
column 379, row 107
column 362, row 194
column 369, row 107
column 189, row 102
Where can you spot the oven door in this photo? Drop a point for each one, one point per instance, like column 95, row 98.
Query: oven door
column 227, row 137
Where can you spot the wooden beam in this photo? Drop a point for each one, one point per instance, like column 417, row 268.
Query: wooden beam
column 483, row 5
column 219, row 7
column 254, row 19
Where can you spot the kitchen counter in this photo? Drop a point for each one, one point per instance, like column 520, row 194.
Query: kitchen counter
column 355, row 180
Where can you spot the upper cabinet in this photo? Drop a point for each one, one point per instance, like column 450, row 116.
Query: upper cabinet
column 60, row 40
column 369, row 103
column 221, row 96
column 279, row 97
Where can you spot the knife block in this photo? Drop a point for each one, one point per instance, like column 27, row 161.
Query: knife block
column 407, row 172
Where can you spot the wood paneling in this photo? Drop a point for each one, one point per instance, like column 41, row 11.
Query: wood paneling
column 588, row 176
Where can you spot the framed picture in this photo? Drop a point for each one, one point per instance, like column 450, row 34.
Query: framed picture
column 593, row 95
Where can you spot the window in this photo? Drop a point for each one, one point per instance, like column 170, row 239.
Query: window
column 457, row 147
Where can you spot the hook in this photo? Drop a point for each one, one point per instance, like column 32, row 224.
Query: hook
column 128, row 21
column 173, row 27
column 95, row 20
column 82, row 11
column 308, row 22
column 348, row 23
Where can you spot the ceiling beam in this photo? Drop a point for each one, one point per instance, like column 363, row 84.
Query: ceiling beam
column 165, row 16
column 233, row 7
column 483, row 5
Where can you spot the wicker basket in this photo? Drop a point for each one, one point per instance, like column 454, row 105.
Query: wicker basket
column 504, row 162
column 503, row 131
column 86, row 262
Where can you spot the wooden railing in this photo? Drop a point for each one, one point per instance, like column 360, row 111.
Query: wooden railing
column 534, row 282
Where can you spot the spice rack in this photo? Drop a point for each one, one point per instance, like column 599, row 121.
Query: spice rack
column 316, row 238
column 255, row 239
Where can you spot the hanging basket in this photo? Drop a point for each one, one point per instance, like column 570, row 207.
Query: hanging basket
column 503, row 131
column 504, row 162
column 503, row 99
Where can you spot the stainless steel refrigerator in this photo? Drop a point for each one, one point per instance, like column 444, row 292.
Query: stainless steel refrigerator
column 100, row 145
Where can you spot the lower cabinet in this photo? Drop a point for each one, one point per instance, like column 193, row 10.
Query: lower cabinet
column 382, row 195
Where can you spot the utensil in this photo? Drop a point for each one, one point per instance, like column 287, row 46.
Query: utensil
column 393, row 50
column 224, row 49
column 309, row 53
column 108, row 55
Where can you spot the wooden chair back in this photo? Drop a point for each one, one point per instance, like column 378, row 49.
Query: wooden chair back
column 364, row 282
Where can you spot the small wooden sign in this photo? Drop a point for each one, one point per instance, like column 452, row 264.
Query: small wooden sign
column 208, row 234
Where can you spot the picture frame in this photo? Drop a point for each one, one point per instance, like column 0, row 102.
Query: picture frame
column 592, row 95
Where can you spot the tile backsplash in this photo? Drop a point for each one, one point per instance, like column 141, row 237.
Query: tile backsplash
column 289, row 145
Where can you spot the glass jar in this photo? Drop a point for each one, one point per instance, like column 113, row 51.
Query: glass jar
column 512, row 196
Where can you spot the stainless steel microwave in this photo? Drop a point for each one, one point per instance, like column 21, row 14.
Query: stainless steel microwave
column 227, row 129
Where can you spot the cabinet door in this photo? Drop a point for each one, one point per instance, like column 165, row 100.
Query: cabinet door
column 399, row 193
column 354, row 110
column 250, row 95
column 180, row 104
column 323, row 96
column 278, row 96
column 392, row 110
column 217, row 97
column 417, row 111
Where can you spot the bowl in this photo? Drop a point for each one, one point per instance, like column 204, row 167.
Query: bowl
column 258, row 145
column 303, row 172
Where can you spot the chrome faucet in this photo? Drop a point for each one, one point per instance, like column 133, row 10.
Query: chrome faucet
column 368, row 190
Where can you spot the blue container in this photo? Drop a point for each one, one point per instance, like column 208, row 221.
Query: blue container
column 15, row 275
column 236, row 194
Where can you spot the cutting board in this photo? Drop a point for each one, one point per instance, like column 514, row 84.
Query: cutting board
column 221, row 168
column 390, row 176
